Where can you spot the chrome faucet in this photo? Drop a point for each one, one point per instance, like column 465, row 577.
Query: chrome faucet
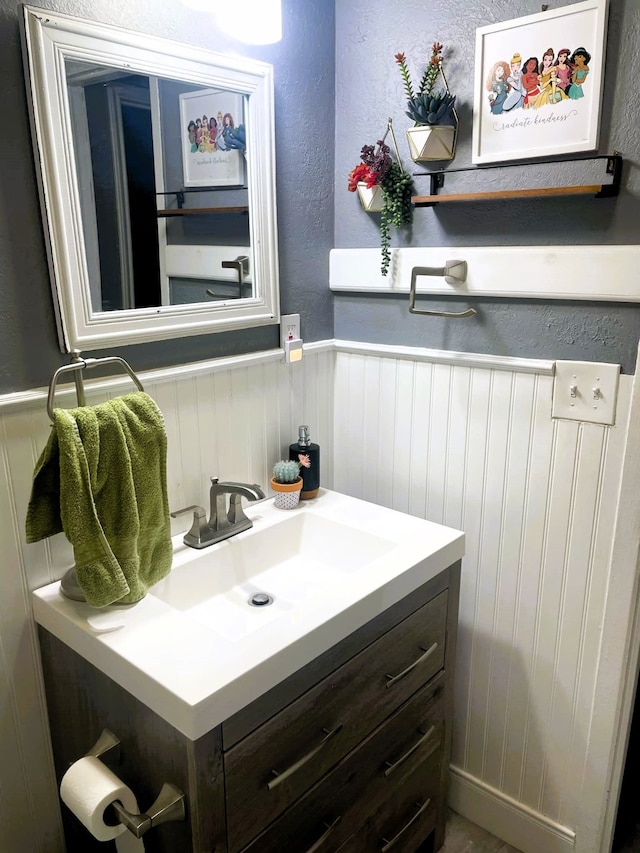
column 222, row 522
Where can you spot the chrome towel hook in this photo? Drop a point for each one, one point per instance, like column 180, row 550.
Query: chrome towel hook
column 454, row 272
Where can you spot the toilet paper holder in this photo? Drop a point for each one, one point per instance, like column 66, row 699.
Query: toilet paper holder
column 168, row 806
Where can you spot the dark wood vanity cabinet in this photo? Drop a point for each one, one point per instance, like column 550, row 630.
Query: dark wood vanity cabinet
column 349, row 754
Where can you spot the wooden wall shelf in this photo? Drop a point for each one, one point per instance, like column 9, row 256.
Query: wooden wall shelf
column 599, row 190
column 181, row 210
column 200, row 211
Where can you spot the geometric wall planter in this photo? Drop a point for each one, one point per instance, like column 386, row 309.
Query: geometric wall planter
column 431, row 142
column 371, row 198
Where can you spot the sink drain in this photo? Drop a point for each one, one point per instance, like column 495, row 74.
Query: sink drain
column 260, row 599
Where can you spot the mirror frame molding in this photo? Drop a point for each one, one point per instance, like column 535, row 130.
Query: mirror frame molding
column 48, row 40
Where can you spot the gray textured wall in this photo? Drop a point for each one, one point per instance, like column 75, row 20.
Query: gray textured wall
column 304, row 82
column 369, row 90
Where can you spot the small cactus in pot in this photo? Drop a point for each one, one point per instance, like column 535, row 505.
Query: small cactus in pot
column 286, row 471
column 286, row 482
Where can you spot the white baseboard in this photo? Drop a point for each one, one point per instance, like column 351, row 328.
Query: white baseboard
column 506, row 818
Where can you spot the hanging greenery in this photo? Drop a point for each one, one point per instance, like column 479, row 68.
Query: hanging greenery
column 378, row 168
column 397, row 210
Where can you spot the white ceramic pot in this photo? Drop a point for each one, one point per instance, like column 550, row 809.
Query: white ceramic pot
column 371, row 199
column 431, row 142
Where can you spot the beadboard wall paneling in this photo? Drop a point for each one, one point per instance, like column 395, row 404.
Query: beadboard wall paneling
column 464, row 441
column 231, row 418
column 28, row 809
column 476, row 448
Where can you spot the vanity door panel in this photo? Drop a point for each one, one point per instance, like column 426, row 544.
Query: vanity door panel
column 326, row 816
column 267, row 771
column 81, row 702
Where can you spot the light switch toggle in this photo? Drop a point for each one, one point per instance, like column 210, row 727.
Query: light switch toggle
column 585, row 391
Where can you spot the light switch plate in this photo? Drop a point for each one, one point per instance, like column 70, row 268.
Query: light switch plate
column 585, row 391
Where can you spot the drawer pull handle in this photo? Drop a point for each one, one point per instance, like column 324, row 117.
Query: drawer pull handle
column 425, row 737
column 280, row 777
column 389, row 844
column 427, row 654
column 325, row 835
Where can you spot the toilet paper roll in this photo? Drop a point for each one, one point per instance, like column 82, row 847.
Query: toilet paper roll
column 87, row 788
column 128, row 843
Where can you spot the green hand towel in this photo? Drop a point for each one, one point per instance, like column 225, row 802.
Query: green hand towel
column 102, row 480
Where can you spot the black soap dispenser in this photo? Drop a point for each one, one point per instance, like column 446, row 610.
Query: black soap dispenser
column 308, row 454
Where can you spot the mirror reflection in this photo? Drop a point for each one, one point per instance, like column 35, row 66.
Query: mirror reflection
column 156, row 163
column 163, row 190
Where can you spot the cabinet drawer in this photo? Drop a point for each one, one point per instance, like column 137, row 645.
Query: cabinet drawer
column 268, row 770
column 407, row 816
column 401, row 826
column 326, row 816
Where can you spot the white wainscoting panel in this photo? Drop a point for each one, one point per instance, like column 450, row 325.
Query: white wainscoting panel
column 232, row 418
column 476, row 448
column 468, row 441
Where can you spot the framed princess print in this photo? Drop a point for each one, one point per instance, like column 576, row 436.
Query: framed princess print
column 212, row 149
column 538, row 84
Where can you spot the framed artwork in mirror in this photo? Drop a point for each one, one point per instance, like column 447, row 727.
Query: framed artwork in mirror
column 538, row 84
column 213, row 138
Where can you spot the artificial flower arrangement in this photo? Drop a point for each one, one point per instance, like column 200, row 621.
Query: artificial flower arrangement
column 379, row 169
column 423, row 106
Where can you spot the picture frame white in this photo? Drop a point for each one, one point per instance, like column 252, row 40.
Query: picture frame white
column 563, row 115
column 205, row 162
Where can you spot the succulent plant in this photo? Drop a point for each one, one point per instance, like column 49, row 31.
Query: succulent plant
column 425, row 108
column 286, row 471
column 379, row 169
column 431, row 109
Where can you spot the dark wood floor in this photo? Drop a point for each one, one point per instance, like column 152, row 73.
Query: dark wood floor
column 465, row 837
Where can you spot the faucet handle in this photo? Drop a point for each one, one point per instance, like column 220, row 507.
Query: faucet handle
column 243, row 487
column 199, row 525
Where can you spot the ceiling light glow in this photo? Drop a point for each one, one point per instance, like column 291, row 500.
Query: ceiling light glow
column 250, row 21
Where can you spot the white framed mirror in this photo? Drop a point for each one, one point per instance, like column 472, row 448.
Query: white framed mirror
column 156, row 167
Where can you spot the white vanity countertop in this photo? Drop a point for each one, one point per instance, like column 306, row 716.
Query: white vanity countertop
column 195, row 672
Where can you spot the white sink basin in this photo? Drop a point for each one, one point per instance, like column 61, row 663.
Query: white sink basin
column 195, row 651
column 294, row 561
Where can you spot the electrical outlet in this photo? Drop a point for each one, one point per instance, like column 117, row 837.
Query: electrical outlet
column 289, row 328
column 585, row 391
